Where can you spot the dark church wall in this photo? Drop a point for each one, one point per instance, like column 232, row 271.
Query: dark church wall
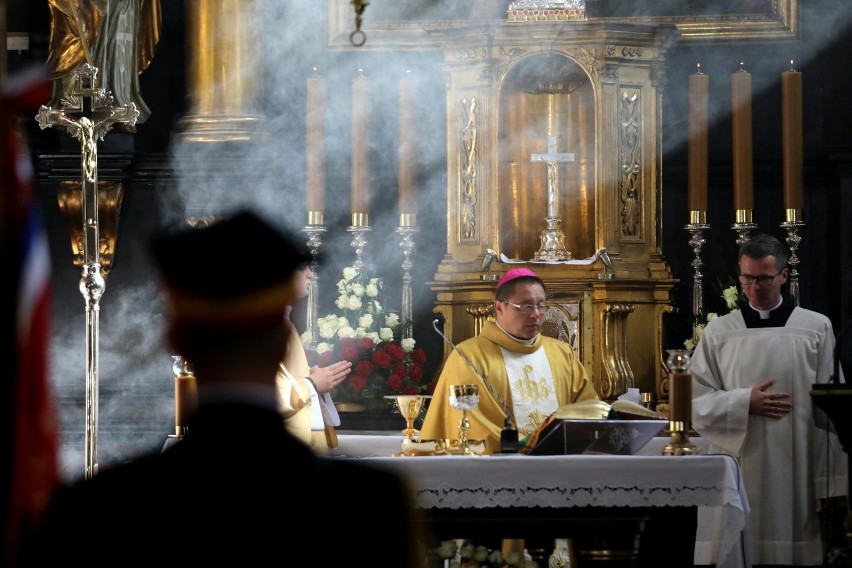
column 135, row 373
column 825, row 240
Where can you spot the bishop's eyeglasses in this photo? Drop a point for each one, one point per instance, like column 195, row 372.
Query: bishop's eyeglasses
column 527, row 308
column 763, row 279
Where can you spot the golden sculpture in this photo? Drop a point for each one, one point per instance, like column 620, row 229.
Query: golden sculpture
column 119, row 37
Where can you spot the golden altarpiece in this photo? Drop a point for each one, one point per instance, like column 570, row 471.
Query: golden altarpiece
column 596, row 88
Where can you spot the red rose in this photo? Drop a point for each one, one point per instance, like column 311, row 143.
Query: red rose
column 394, row 351
column 348, row 351
column 416, row 373
column 311, row 356
column 357, row 383
column 411, row 390
column 381, row 359
column 418, row 356
column 365, row 344
column 400, row 369
column 394, row 382
column 324, row 360
column 364, row 368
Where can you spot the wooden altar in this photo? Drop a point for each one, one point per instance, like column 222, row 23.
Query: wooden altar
column 597, row 88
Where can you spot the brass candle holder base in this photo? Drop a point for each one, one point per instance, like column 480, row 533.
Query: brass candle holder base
column 679, row 445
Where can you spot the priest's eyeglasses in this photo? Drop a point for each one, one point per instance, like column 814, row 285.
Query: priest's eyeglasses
column 763, row 280
column 527, row 308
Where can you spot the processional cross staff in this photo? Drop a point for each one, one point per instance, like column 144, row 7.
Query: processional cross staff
column 87, row 114
column 552, row 238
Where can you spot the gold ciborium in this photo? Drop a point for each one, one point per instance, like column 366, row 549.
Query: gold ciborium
column 464, row 398
column 409, row 406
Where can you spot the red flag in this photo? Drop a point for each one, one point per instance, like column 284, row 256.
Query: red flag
column 31, row 443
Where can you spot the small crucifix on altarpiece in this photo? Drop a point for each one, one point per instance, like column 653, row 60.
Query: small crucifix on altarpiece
column 552, row 239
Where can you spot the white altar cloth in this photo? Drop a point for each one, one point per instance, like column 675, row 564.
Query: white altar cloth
column 712, row 483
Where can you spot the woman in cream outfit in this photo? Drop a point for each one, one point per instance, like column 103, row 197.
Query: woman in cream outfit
column 303, row 391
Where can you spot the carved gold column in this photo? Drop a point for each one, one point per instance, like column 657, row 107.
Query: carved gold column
column 222, row 71
column 616, row 376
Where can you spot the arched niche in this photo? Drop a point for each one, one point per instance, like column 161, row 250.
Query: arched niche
column 542, row 95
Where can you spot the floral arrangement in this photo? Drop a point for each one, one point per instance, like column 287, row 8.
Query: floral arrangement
column 382, row 362
column 732, row 297
column 469, row 555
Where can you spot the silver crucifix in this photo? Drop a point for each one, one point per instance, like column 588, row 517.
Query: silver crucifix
column 552, row 239
column 87, row 114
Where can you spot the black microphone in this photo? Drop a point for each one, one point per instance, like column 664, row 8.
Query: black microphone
column 509, row 443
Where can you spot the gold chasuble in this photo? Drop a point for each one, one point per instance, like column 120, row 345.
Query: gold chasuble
column 533, row 378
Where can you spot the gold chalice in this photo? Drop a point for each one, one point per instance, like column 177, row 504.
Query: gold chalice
column 464, row 398
column 409, row 406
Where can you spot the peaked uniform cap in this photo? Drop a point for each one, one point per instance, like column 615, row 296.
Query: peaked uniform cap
column 239, row 270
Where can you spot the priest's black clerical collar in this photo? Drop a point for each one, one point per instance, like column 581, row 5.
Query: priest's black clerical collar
column 777, row 317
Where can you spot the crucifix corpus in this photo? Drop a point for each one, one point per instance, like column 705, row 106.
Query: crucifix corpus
column 552, row 239
column 87, row 114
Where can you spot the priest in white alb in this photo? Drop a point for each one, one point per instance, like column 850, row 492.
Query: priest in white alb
column 753, row 371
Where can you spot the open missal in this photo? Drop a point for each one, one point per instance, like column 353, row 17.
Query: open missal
column 596, row 427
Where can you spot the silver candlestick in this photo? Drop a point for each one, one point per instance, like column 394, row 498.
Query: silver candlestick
column 743, row 225
column 696, row 228
column 792, row 225
column 407, row 229
column 315, row 230
column 359, row 229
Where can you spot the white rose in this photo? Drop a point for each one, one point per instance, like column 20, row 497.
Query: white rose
column 408, row 344
column 711, row 316
column 372, row 290
column 360, row 332
column 345, row 331
column 392, row 320
column 354, row 303
column 323, row 348
column 341, row 286
column 731, row 295
column 376, row 307
column 365, row 321
column 357, row 290
column 386, row 334
column 342, row 301
column 349, row 273
column 306, row 338
column 327, row 330
column 374, row 336
column 342, row 322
